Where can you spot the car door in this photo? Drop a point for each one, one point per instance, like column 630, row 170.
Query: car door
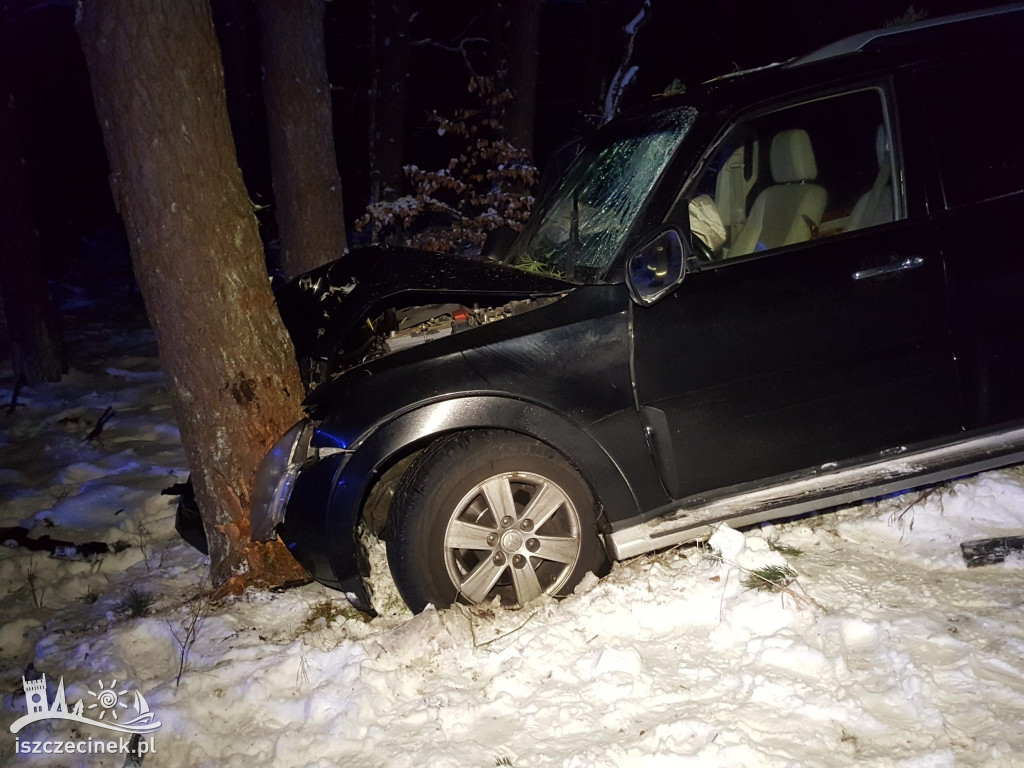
column 975, row 127
column 800, row 347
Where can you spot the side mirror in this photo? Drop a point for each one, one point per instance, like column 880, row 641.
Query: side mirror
column 656, row 268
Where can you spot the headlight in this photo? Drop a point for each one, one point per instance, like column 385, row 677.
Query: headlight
column 275, row 478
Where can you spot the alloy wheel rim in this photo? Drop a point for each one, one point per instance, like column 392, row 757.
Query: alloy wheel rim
column 516, row 535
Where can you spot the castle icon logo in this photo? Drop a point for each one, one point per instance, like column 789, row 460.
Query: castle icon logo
column 108, row 707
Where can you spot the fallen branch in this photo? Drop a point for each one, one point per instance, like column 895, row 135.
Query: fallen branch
column 990, row 551
column 57, row 547
column 100, row 423
column 798, row 597
column 18, row 384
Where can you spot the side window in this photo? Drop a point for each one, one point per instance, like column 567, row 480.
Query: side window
column 810, row 171
column 975, row 124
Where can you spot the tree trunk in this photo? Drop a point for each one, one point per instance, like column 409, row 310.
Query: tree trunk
column 524, row 39
column 159, row 90
column 499, row 18
column 307, row 188
column 390, row 51
column 37, row 346
column 234, row 22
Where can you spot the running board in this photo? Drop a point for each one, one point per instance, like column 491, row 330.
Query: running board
column 696, row 517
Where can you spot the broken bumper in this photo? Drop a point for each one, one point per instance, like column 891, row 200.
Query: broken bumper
column 319, row 526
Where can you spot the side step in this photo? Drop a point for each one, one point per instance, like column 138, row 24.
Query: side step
column 695, row 517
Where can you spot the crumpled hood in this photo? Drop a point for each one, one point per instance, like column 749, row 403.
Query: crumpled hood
column 332, row 300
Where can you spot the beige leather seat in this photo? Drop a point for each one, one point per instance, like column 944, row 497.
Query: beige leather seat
column 875, row 206
column 732, row 188
column 787, row 212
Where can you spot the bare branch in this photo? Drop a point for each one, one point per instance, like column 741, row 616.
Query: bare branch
column 625, row 73
column 459, row 47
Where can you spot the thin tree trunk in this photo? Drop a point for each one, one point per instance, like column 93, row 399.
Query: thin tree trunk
column 158, row 85
column 297, row 94
column 390, row 61
column 499, row 18
column 234, row 22
column 594, row 61
column 37, row 346
column 524, row 39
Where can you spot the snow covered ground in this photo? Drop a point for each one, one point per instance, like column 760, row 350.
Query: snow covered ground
column 886, row 650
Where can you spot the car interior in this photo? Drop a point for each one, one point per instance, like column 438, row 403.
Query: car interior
column 789, row 210
column 828, row 170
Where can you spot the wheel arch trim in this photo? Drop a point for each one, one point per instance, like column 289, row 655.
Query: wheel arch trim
column 330, row 545
column 396, row 437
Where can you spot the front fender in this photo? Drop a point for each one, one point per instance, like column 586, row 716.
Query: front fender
column 321, row 536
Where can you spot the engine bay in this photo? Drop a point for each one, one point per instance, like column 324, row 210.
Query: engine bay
column 399, row 328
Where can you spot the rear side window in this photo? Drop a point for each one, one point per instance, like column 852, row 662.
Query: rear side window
column 975, row 111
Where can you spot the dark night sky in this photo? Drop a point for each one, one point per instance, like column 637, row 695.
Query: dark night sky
column 684, row 40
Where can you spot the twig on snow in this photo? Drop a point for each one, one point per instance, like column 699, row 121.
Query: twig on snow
column 800, row 597
column 197, row 610
column 100, row 423
column 503, row 635
column 472, row 627
column 18, row 384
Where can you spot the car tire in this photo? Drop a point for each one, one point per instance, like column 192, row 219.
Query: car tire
column 488, row 513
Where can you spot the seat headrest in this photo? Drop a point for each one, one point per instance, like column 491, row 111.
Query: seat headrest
column 792, row 158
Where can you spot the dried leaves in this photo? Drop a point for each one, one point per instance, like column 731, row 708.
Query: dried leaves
column 487, row 185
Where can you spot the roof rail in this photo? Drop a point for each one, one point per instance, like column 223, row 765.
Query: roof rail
column 863, row 40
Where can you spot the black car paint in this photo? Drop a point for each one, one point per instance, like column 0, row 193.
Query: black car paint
column 820, row 368
column 560, row 373
column 754, row 368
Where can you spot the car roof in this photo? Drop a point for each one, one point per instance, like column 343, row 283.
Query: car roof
column 862, row 53
column 890, row 38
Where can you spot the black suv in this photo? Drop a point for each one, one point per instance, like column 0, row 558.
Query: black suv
column 786, row 289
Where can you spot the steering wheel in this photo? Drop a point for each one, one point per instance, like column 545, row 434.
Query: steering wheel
column 704, row 253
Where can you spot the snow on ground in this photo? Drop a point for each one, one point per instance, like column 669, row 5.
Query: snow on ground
column 886, row 650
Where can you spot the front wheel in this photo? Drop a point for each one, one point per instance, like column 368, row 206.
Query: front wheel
column 487, row 514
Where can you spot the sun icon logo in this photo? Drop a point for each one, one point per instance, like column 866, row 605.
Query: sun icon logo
column 108, row 699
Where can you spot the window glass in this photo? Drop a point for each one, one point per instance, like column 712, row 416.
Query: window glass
column 579, row 228
column 974, row 113
column 805, row 172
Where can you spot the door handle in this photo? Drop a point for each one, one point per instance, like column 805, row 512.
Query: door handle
column 912, row 262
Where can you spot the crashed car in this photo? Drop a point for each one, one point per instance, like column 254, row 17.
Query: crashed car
column 783, row 290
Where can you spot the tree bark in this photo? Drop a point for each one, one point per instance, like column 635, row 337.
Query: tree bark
column 524, row 39
column 37, row 345
column 297, row 94
column 158, row 86
column 390, row 53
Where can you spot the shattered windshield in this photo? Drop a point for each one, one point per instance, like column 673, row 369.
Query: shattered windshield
column 578, row 229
